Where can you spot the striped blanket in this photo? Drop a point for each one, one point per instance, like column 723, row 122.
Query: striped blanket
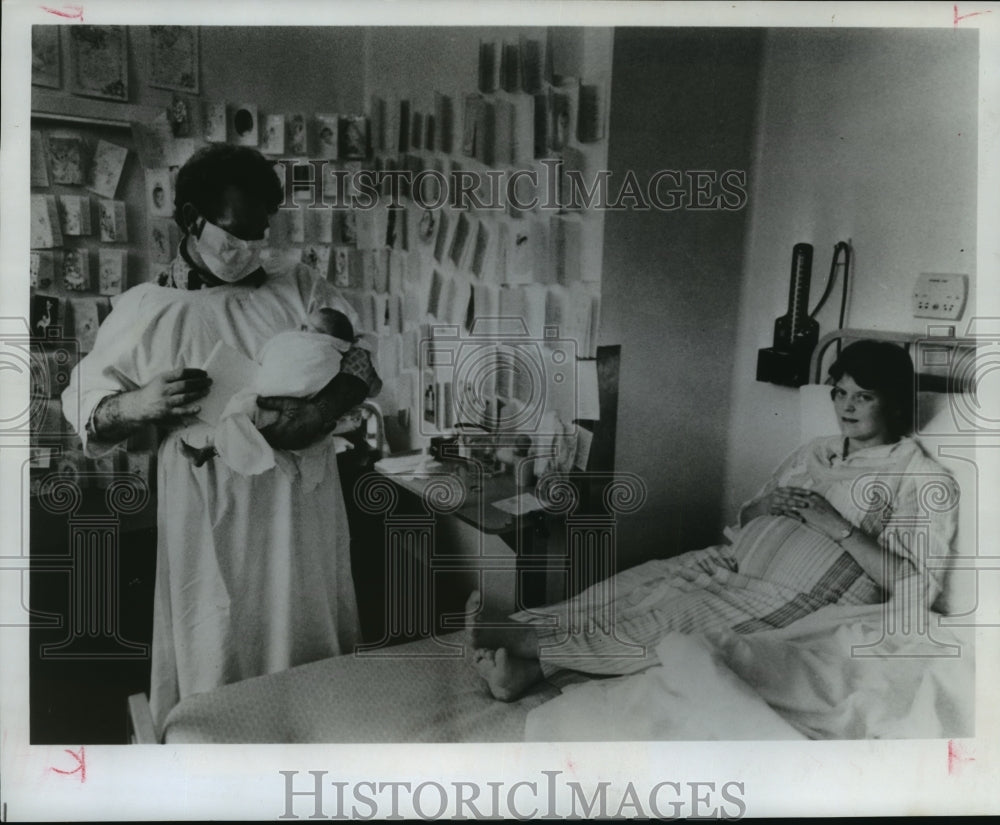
column 776, row 572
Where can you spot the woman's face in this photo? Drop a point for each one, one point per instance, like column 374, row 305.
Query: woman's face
column 861, row 414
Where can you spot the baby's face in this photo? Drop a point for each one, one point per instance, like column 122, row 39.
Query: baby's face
column 317, row 321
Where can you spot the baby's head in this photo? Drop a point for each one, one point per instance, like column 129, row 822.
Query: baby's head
column 330, row 322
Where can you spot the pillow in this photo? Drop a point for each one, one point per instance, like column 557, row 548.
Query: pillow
column 944, row 430
column 816, row 413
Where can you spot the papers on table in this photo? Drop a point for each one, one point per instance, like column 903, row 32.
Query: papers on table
column 519, row 504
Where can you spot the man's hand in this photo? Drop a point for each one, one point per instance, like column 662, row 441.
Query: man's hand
column 169, row 397
column 300, row 422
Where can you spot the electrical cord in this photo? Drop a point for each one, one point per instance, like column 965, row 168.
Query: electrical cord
column 828, row 287
column 845, row 248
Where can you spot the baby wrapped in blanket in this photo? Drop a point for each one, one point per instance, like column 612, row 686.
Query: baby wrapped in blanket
column 297, row 364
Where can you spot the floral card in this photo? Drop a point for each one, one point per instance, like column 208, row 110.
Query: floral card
column 327, row 136
column 164, row 237
column 173, row 58
column 100, row 61
column 215, row 122
column 106, row 171
column 111, row 218
column 272, row 141
column 296, row 139
column 66, row 159
column 85, row 322
column 111, row 271
column 76, row 270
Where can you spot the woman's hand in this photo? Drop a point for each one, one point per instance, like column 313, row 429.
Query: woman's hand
column 300, row 422
column 169, row 397
column 809, row 507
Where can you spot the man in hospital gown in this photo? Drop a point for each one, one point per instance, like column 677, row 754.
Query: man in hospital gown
column 253, row 572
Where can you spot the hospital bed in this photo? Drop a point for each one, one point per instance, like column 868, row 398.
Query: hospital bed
column 851, row 672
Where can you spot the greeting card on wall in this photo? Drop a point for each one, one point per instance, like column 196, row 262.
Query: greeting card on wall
column 42, row 270
column 510, row 67
column 317, row 258
column 327, row 134
column 273, row 141
column 100, row 61
column 66, row 159
column 319, row 226
column 159, row 197
column 173, row 58
column 354, row 137
column 46, row 61
column 341, row 266
column 111, row 271
column 112, row 221
column 534, row 68
column 297, row 143
column 109, row 160
column 215, row 122
column 85, row 322
column 243, row 124
column 473, row 106
column 74, row 210
column 489, row 65
column 151, row 140
column 444, row 118
column 164, row 236
column 45, row 231
column 76, row 270
column 179, row 116
column 45, row 313
column 39, row 168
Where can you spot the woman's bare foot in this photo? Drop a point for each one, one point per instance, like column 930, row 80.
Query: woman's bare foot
column 507, row 676
column 494, row 632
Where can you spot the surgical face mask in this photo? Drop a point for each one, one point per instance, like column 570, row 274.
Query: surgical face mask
column 229, row 258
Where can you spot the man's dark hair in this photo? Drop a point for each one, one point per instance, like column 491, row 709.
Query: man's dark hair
column 203, row 180
column 886, row 369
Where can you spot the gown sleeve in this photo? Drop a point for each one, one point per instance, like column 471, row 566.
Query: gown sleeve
column 923, row 522
column 137, row 341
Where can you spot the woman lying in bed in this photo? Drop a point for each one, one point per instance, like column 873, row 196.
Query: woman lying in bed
column 841, row 521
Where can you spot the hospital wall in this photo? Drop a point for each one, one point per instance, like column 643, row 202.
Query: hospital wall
column 682, row 99
column 864, row 135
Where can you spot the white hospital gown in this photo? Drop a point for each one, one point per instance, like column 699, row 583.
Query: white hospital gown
column 777, row 570
column 253, row 572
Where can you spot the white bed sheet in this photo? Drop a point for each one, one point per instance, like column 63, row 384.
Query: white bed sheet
column 834, row 675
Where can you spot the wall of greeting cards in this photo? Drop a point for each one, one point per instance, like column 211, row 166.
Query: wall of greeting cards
column 117, row 110
column 513, row 111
